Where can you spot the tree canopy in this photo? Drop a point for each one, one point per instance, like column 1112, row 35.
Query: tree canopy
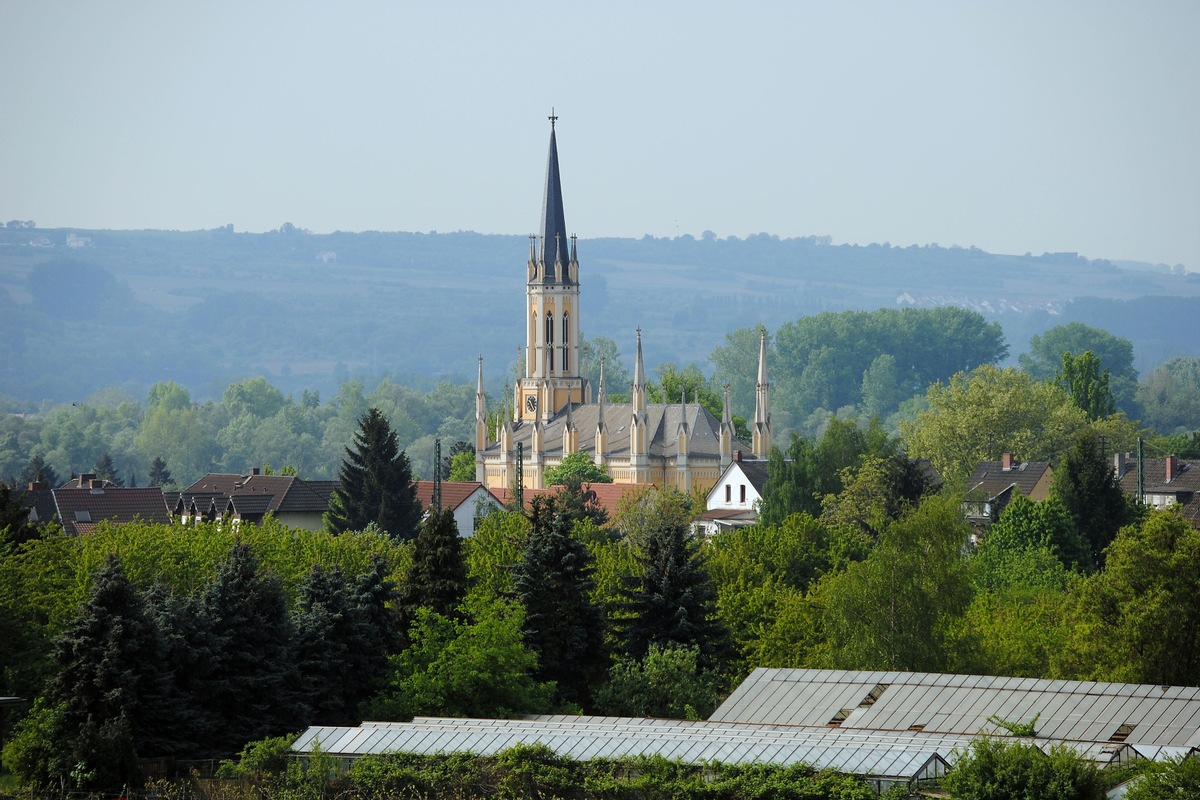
column 979, row 416
column 376, row 484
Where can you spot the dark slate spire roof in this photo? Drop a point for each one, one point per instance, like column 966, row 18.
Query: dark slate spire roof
column 554, row 222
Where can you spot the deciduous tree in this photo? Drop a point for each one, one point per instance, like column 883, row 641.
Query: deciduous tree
column 988, row 412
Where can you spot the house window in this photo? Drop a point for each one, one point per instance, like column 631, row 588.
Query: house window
column 742, row 495
column 728, row 494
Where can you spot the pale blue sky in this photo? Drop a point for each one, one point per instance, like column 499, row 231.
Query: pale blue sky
column 1012, row 126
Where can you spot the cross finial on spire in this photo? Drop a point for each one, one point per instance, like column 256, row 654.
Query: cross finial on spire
column 553, row 118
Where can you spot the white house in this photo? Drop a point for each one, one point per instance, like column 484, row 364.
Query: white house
column 733, row 500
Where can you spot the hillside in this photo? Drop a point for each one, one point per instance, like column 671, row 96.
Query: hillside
column 129, row 308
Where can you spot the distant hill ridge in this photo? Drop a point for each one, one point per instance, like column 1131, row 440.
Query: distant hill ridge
column 83, row 309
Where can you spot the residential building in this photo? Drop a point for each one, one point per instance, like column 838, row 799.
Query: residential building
column 993, row 485
column 470, row 501
column 293, row 501
column 1170, row 482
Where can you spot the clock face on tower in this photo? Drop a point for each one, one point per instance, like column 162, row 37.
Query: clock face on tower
column 531, row 403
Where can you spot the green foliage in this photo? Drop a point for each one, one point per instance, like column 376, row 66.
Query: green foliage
column 1090, row 491
column 799, row 479
column 35, row 753
column 247, row 687
column 671, row 601
column 376, row 484
column 1137, row 620
column 1026, row 526
column 260, row 757
column 1045, row 357
column 1170, row 396
column 988, row 412
column 462, row 467
column 668, row 682
column 878, row 490
column 472, row 667
column 159, row 474
column 553, row 582
column 995, row 769
column 1028, row 729
column 1081, row 377
column 527, row 771
column 1018, row 630
column 344, row 633
column 576, row 468
column 437, row 579
column 823, row 359
column 1175, row 777
column 899, row 608
column 498, row 544
column 15, row 525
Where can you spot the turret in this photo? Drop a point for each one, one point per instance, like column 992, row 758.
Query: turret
column 725, row 444
column 601, row 454
column 481, row 431
column 762, row 402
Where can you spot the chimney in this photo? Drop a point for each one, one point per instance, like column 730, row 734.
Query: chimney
column 85, row 479
column 1006, row 462
column 96, row 483
column 1119, row 464
column 1172, row 466
column 255, row 471
column 37, row 486
column 737, row 455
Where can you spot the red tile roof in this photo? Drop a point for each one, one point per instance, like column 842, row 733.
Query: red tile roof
column 608, row 495
column 454, row 493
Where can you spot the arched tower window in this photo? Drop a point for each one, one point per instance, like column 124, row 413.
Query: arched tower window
column 550, row 341
column 566, row 341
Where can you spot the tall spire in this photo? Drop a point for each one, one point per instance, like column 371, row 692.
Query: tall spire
column 554, row 222
column 639, row 378
column 762, row 402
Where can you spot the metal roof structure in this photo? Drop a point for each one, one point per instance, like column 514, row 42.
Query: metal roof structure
column 1067, row 711
column 886, row 727
column 883, row 759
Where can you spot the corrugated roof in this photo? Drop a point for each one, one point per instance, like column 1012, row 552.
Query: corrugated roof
column 964, row 705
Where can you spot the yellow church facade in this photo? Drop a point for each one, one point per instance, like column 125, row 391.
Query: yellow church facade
column 554, row 414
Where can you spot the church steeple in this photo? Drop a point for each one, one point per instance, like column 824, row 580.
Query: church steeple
column 554, row 222
column 553, row 375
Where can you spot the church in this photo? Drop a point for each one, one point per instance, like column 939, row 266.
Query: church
column 554, row 413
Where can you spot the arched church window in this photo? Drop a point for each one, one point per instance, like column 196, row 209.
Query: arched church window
column 566, row 342
column 550, row 341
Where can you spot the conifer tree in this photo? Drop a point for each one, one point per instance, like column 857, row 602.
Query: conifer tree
column 324, row 637
column 376, row 484
column 15, row 526
column 374, row 618
column 248, row 687
column 554, row 583
column 38, row 470
column 1088, row 487
column 106, row 470
column 159, row 474
column 672, row 603
column 110, row 675
column 437, row 579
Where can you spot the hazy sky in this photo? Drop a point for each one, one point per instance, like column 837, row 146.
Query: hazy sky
column 1012, row 126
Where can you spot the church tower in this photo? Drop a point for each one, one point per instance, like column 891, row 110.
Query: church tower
column 553, row 377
